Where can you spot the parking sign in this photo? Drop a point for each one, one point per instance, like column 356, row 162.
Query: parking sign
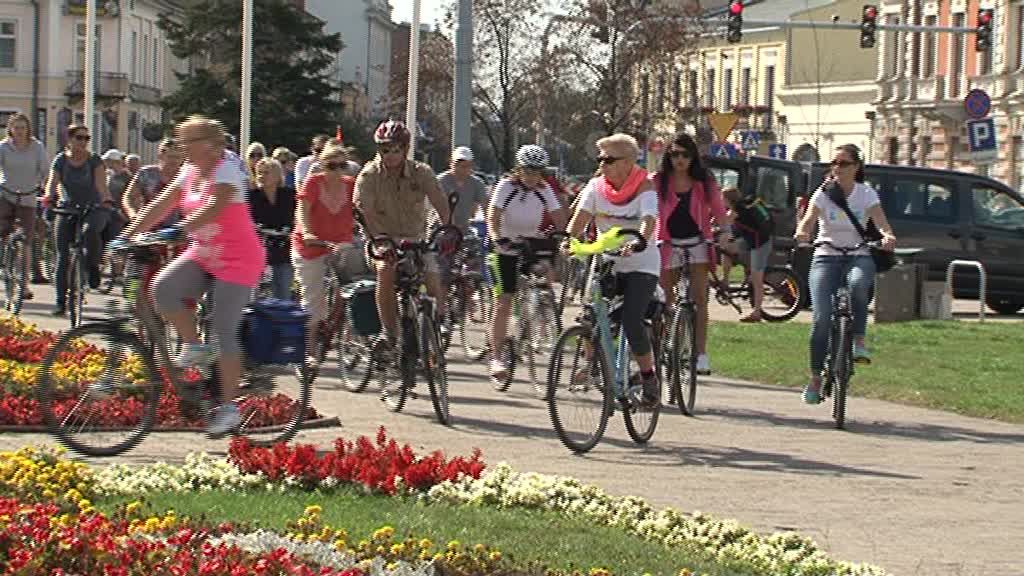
column 981, row 139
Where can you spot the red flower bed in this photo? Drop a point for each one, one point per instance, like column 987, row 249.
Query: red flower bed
column 34, row 542
column 375, row 465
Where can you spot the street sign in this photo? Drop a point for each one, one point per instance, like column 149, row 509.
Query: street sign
column 777, row 151
column 722, row 150
column 750, row 139
column 977, row 103
column 722, row 123
column 981, row 138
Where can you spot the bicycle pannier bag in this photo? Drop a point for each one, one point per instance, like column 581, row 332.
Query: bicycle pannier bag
column 362, row 307
column 274, row 331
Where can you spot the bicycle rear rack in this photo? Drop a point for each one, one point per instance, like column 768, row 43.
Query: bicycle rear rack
column 948, row 313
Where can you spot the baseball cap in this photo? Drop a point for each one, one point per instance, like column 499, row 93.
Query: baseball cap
column 462, row 153
column 113, row 154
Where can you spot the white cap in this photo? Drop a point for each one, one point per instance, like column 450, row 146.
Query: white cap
column 131, row 157
column 462, row 153
column 113, row 154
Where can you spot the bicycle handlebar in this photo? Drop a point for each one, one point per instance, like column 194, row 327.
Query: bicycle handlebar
column 373, row 247
column 73, row 211
column 522, row 245
column 274, row 232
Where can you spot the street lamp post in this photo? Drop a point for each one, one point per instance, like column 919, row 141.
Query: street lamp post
column 89, row 72
column 414, row 77
column 246, row 120
column 462, row 99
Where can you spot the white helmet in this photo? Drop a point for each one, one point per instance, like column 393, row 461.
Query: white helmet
column 532, row 156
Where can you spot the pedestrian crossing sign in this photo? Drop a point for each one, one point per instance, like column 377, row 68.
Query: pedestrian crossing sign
column 750, row 139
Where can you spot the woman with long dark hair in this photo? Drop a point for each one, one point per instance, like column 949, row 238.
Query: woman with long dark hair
column 834, row 226
column 688, row 197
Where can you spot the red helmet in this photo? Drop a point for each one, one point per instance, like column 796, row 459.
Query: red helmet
column 391, row 131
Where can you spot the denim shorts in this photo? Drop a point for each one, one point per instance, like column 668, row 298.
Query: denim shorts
column 758, row 256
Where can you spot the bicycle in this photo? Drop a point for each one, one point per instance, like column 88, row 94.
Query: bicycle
column 597, row 343
column 538, row 322
column 680, row 354
column 74, row 297
column 418, row 339
column 782, row 298
column 470, row 297
column 136, row 370
column 12, row 258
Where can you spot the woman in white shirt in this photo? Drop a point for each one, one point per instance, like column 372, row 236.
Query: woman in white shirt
column 827, row 268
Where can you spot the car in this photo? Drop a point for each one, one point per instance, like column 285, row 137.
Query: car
column 948, row 214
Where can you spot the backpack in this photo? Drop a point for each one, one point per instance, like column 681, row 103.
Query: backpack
column 755, row 215
column 517, row 188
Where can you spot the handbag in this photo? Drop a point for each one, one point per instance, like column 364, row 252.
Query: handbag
column 884, row 259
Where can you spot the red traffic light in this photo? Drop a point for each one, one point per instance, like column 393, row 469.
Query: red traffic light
column 736, row 8
column 984, row 17
column 870, row 12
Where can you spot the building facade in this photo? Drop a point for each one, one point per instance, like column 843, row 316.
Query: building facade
column 42, row 55
column 365, row 61
column 923, row 78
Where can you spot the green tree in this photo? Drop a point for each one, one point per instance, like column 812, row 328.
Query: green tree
column 294, row 93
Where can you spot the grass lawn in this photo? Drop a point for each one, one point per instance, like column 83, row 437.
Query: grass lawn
column 965, row 367
column 522, row 535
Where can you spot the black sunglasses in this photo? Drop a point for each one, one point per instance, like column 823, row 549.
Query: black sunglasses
column 607, row 160
column 332, row 166
column 389, row 149
column 679, row 154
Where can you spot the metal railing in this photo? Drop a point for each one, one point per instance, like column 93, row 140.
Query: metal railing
column 982, row 277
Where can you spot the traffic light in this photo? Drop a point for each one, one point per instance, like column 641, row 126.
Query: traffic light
column 868, row 25
column 983, row 33
column 734, row 25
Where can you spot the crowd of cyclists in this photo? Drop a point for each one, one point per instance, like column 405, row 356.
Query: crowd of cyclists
column 308, row 217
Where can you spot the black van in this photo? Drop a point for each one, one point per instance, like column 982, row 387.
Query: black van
column 950, row 215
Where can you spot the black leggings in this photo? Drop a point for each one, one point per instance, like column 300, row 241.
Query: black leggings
column 637, row 289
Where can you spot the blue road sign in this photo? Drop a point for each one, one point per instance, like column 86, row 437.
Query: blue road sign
column 977, row 103
column 981, row 138
column 722, row 151
column 777, row 151
column 750, row 139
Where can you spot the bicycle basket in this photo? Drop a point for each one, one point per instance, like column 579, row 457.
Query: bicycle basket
column 362, row 307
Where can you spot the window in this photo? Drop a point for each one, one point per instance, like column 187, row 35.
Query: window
column 1018, row 162
column 928, row 64
column 894, row 150
column 772, row 186
column 745, row 86
column 694, row 94
column 957, row 68
column 985, row 60
column 727, row 89
column 8, row 42
column 40, row 125
column 711, row 87
column 895, row 50
column 769, row 96
column 919, row 199
column 145, row 59
column 135, row 57
column 726, row 177
column 1020, row 36
column 996, row 209
column 156, row 60
column 80, row 47
column 925, row 150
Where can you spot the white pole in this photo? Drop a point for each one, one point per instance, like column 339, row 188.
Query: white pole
column 89, row 73
column 246, row 123
column 414, row 76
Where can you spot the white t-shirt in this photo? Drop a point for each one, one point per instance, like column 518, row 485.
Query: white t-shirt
column 626, row 216
column 523, row 215
column 833, row 224
column 227, row 173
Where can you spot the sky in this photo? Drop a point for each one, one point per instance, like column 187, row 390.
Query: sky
column 430, row 10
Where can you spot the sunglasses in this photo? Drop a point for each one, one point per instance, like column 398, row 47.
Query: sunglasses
column 679, row 154
column 82, row 137
column 607, row 160
column 332, row 166
column 389, row 149
column 842, row 163
column 255, row 155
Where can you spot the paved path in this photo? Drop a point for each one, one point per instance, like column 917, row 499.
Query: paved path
column 915, row 491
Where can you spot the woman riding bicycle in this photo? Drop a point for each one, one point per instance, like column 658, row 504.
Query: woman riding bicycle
column 829, row 264
column 273, row 208
column 624, row 196
column 224, row 255
column 518, row 206
column 324, row 215
column 23, row 166
column 688, row 197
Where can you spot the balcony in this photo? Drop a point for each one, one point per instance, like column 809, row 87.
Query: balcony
column 144, row 94
column 108, row 84
column 929, row 89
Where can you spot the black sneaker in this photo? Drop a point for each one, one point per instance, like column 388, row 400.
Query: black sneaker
column 652, row 390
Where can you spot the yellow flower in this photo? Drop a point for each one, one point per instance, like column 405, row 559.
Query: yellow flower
column 426, row 544
column 454, row 545
column 397, row 549
column 495, row 556
column 339, row 545
column 313, row 510
column 133, row 507
column 384, row 533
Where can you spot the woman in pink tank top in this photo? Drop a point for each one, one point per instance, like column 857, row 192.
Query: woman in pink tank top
column 224, row 254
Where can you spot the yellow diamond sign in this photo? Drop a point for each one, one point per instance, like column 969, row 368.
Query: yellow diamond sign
column 722, row 123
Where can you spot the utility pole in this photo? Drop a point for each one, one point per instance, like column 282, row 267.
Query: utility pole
column 89, row 73
column 246, row 120
column 463, row 97
column 414, row 78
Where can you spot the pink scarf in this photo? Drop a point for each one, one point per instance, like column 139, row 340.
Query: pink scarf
column 623, row 195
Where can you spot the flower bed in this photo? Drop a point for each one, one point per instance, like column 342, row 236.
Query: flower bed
column 22, row 348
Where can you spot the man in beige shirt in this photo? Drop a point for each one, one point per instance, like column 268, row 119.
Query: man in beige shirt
column 391, row 192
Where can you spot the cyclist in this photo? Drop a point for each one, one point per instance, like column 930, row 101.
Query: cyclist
column 118, row 178
column 468, row 188
column 303, row 165
column 624, row 196
column 688, row 197
column 390, row 192
column 846, row 180
column 224, row 255
column 287, row 159
column 518, row 206
column 324, row 214
column 80, row 175
column 152, row 179
column 273, row 207
column 133, row 162
column 752, row 241
column 23, row 167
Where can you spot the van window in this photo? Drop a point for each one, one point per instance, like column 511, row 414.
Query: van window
column 995, row 208
column 772, row 186
column 726, row 177
column 913, row 199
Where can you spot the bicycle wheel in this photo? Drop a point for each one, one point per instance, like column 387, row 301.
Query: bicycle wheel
column 76, row 289
column 273, row 401
column 841, row 369
column 476, row 302
column 783, row 297
column 579, row 390
column 355, row 358
column 641, row 420
column 396, row 367
column 14, row 275
column 682, row 360
column 434, row 368
column 100, row 412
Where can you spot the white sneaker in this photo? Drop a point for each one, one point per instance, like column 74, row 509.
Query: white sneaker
column 194, row 355
column 703, row 365
column 101, row 389
column 226, row 420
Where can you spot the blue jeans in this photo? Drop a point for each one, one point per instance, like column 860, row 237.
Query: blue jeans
column 826, row 278
column 64, row 232
column 281, row 280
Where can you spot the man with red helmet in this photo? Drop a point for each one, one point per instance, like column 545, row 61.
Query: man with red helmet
column 390, row 192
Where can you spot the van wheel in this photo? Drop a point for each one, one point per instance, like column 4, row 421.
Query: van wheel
column 1005, row 305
